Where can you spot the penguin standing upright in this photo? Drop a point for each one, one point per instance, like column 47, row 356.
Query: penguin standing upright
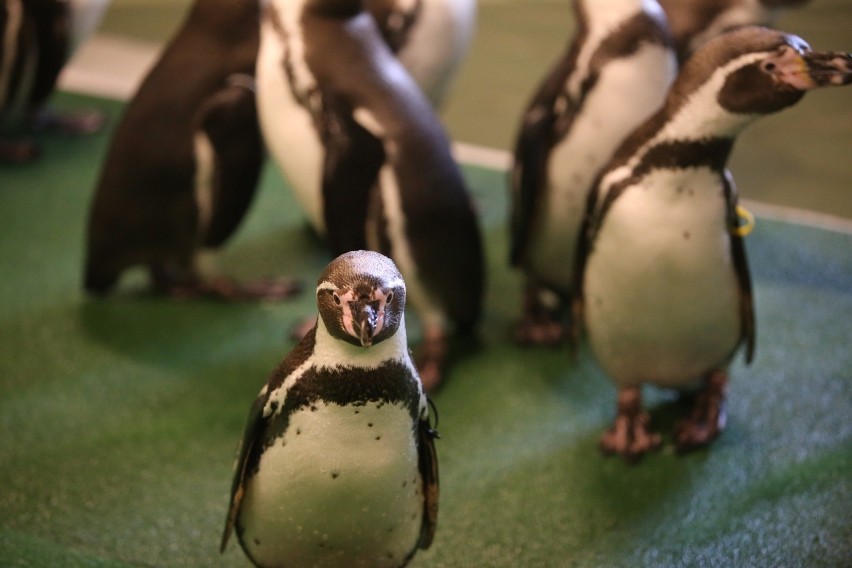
column 664, row 285
column 368, row 159
column 337, row 466
column 693, row 22
column 37, row 38
column 613, row 76
column 429, row 37
column 184, row 162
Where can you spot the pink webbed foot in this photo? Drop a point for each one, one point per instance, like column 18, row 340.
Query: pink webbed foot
column 630, row 435
column 543, row 321
column 707, row 418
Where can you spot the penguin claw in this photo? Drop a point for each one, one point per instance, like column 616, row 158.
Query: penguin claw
column 630, row 437
column 546, row 333
column 708, row 416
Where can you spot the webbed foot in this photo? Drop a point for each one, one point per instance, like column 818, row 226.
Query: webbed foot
column 630, row 435
column 707, row 418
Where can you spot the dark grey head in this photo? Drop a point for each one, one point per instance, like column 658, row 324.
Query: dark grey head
column 767, row 70
column 361, row 298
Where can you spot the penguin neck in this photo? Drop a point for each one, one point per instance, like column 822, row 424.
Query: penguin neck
column 331, row 353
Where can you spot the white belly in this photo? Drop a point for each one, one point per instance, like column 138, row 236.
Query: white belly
column 343, row 489
column 610, row 112
column 661, row 294
column 287, row 127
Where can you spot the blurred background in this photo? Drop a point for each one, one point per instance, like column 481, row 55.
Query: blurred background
column 798, row 159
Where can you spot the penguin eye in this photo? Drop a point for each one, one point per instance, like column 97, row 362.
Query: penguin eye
column 769, row 66
column 389, row 297
column 336, row 298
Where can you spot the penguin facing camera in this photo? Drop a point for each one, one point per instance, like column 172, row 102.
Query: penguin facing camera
column 368, row 160
column 693, row 22
column 184, row 162
column 37, row 38
column 337, row 464
column 614, row 75
column 664, row 286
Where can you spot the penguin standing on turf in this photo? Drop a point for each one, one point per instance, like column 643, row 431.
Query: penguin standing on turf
column 37, row 38
column 184, row 162
column 693, row 22
column 368, row 160
column 613, row 76
column 664, row 284
column 337, row 466
column 429, row 37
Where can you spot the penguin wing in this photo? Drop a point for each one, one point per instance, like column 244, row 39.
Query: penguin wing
column 52, row 28
column 738, row 254
column 248, row 453
column 228, row 119
column 428, row 463
column 353, row 158
column 542, row 124
column 255, row 425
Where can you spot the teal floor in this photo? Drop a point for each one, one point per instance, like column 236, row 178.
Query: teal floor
column 119, row 417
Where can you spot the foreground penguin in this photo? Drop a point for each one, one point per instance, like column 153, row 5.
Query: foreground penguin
column 184, row 162
column 37, row 38
column 693, row 22
column 368, row 160
column 337, row 466
column 613, row 76
column 666, row 290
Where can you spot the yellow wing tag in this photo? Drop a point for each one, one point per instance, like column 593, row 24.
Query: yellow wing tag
column 745, row 222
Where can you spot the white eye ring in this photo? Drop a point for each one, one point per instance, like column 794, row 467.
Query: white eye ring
column 389, row 297
column 336, row 298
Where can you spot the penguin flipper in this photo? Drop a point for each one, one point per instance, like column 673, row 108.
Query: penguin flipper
column 229, row 120
column 428, row 463
column 353, row 159
column 256, row 424
column 253, row 431
column 52, row 29
column 738, row 254
column 529, row 173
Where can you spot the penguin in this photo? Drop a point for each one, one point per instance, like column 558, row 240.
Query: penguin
column 695, row 21
column 369, row 161
column 184, row 162
column 663, row 279
column 614, row 74
column 337, row 465
column 37, row 38
column 429, row 37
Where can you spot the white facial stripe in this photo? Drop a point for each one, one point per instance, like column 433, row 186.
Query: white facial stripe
column 326, row 285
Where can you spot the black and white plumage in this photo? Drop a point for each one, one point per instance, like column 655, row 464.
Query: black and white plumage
column 37, row 38
column 337, row 466
column 693, row 22
column 614, row 75
column 184, row 161
column 430, row 38
column 665, row 287
column 368, row 159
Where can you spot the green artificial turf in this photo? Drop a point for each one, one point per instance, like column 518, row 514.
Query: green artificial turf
column 119, row 417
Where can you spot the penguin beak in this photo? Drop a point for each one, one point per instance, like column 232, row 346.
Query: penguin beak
column 813, row 69
column 826, row 68
column 364, row 317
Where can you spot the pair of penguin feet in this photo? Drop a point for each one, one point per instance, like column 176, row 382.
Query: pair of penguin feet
column 20, row 150
column 544, row 321
column 226, row 289
column 631, row 435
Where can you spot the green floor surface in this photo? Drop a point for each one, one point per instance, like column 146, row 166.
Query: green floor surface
column 119, row 417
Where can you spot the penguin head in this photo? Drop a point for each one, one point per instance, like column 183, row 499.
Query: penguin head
column 361, row 298
column 765, row 70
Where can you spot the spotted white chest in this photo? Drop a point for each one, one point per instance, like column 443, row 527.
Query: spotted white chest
column 661, row 294
column 610, row 111
column 341, row 487
column 287, row 125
